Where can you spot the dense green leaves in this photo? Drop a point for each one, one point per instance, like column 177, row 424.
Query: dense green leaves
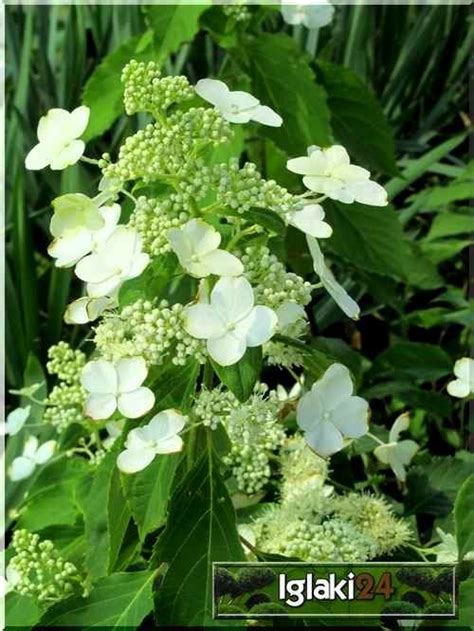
column 292, row 92
column 117, row 601
column 463, row 517
column 172, row 25
column 201, row 529
column 357, row 119
column 241, row 377
column 174, row 386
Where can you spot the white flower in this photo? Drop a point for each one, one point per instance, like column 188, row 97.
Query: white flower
column 447, row 550
column 329, row 171
column 289, row 313
column 328, row 413
column 237, row 106
column 33, row 455
column 88, row 309
column 118, row 259
column 58, row 146
column 114, row 429
column 79, row 228
column 330, row 284
column 284, row 395
column 397, row 454
column 231, row 322
column 16, row 419
column 196, row 245
column 10, row 580
column 310, row 221
column 116, row 385
column 463, row 386
column 160, row 436
column 314, row 14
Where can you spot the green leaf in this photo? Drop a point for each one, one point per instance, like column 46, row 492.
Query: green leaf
column 147, row 492
column 282, row 79
column 117, row 601
column 444, row 249
column 414, row 361
column 21, row 611
column 174, row 387
column 432, row 487
column 201, row 529
column 241, row 377
column 106, row 515
column 357, row 119
column 448, row 224
column 463, row 517
column 103, row 91
column 368, row 237
column 268, row 219
column 173, row 25
column 151, row 284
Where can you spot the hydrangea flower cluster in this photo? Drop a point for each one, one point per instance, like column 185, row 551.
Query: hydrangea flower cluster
column 252, row 427
column 38, row 570
column 313, row 523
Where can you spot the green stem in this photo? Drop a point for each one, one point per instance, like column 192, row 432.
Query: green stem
column 90, row 160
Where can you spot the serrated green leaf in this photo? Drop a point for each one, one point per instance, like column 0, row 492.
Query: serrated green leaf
column 241, row 377
column 147, row 492
column 464, row 516
column 118, row 601
column 357, row 119
column 173, row 25
column 448, row 224
column 282, row 79
column 201, row 529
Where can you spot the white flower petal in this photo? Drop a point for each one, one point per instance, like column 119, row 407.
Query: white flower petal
column 266, row 116
column 222, row 263
column 170, row 445
column 263, row 323
column 335, row 386
column 131, row 373
column 227, row 349
column 368, row 192
column 289, row 313
column 100, row 406
column 458, row 388
column 132, row 461
column 136, row 403
column 30, row 447
column 16, row 419
column 202, row 237
column 78, row 121
column 310, row 410
column 325, row 439
column 398, row 469
column 21, row 468
column 70, row 249
column 67, row 156
column 301, row 166
column 53, row 128
column 232, row 298
column 38, row 158
column 138, row 438
column 203, row 322
column 166, row 424
column 213, row 91
column 400, row 425
column 310, row 221
column 405, row 451
column 351, row 417
column 45, row 452
column 384, row 453
column 464, row 369
column 99, row 377
column 95, row 269
column 241, row 100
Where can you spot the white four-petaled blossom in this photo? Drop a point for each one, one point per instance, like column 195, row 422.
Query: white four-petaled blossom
column 463, row 386
column 58, row 134
column 330, row 284
column 16, row 419
column 329, row 413
column 329, row 171
column 397, row 454
column 116, row 385
column 310, row 220
column 197, row 248
column 314, row 14
column 33, row 454
column 159, row 436
column 236, row 106
column 118, row 259
column 79, row 228
column 231, row 322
